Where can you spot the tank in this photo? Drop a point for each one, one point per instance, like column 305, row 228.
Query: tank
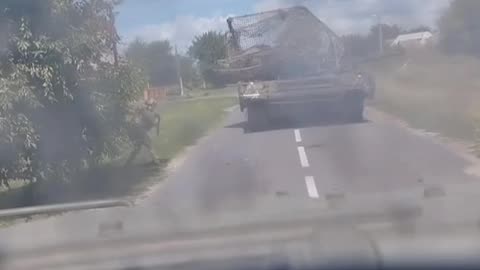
column 287, row 61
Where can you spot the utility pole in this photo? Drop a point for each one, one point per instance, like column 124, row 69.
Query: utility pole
column 380, row 34
column 179, row 72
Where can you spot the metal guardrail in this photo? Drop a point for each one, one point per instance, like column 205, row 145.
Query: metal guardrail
column 58, row 208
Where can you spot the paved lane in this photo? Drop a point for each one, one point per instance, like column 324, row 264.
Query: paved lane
column 378, row 157
column 232, row 169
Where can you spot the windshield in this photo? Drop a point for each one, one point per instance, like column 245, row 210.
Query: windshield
column 181, row 115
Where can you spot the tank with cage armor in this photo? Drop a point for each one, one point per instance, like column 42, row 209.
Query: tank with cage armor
column 288, row 57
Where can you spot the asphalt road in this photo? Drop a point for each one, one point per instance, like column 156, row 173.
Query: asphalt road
column 287, row 171
column 233, row 169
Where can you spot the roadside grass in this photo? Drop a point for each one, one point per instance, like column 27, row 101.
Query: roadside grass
column 227, row 91
column 183, row 122
column 431, row 91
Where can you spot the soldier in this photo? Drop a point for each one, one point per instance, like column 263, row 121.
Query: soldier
column 145, row 120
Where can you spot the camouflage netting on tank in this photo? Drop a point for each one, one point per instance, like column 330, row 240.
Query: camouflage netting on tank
column 285, row 42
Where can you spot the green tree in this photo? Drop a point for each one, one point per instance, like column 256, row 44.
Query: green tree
column 207, row 49
column 64, row 94
column 137, row 54
column 156, row 59
column 460, row 27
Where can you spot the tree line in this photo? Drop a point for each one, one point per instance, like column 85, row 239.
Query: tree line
column 160, row 61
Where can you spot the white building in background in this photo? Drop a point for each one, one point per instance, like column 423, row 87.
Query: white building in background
column 413, row 40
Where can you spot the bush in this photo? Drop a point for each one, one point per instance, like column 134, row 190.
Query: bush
column 65, row 95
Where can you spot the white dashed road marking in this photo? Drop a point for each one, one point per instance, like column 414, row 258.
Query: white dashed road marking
column 309, row 180
column 298, row 136
column 303, row 157
column 311, row 187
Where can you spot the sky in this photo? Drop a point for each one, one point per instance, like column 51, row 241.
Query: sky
column 180, row 20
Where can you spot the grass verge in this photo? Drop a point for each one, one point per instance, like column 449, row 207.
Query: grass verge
column 183, row 122
column 431, row 91
column 226, row 91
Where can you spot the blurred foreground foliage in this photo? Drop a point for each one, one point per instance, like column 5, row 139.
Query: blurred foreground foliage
column 64, row 93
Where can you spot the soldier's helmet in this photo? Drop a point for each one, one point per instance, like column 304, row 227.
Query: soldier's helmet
column 150, row 105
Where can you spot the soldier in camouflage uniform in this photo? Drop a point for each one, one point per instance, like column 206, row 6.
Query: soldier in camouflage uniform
column 145, row 119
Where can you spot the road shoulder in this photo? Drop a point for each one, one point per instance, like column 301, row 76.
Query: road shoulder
column 461, row 148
